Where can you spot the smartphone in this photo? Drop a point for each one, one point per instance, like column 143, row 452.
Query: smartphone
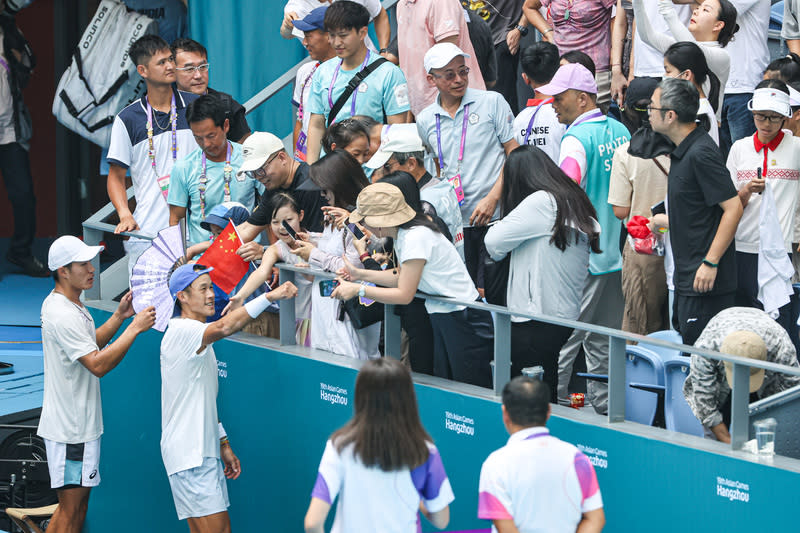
column 659, row 209
column 290, row 230
column 356, row 231
column 327, row 286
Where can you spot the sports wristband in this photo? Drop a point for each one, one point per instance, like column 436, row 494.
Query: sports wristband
column 256, row 306
column 221, row 431
column 709, row 263
column 363, row 256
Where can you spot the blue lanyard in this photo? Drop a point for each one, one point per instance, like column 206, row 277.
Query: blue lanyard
column 355, row 93
column 533, row 117
column 463, row 139
column 597, row 114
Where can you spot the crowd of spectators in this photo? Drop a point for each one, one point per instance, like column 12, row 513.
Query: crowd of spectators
column 405, row 175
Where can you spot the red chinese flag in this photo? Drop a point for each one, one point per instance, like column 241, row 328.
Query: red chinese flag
column 229, row 268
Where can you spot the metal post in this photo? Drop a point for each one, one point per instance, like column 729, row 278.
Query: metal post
column 93, row 237
column 502, row 351
column 740, row 406
column 616, row 379
column 287, row 316
column 391, row 332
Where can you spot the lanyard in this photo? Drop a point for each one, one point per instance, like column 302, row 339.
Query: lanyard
column 203, row 180
column 355, row 93
column 174, row 120
column 533, row 117
column 597, row 114
column 303, row 90
column 463, row 139
column 5, row 65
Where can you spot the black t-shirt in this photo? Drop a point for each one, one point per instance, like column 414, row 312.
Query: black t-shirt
column 310, row 202
column 234, row 112
column 500, row 15
column 481, row 38
column 698, row 182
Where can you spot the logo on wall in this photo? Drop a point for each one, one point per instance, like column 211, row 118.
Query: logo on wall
column 332, row 394
column 459, row 424
column 598, row 458
column 734, row 491
column 222, row 369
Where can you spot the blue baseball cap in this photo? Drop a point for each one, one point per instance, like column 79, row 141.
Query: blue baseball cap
column 222, row 213
column 185, row 275
column 313, row 21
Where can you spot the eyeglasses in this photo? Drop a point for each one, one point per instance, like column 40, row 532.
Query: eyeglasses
column 450, row 75
column 650, row 107
column 199, row 68
column 262, row 171
column 772, row 119
column 389, row 165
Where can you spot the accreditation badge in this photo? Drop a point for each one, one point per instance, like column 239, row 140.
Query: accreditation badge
column 455, row 181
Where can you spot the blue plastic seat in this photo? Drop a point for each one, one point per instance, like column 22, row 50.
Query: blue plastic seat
column 667, row 354
column 677, row 413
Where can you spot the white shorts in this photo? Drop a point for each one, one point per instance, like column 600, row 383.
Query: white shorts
column 73, row 465
column 200, row 491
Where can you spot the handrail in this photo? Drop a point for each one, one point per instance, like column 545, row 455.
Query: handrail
column 288, row 77
column 617, row 351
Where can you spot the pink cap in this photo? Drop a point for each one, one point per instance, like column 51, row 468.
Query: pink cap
column 571, row 76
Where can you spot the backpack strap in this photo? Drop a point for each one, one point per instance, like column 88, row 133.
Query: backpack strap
column 355, row 81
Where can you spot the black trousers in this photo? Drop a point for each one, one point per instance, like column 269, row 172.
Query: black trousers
column 475, row 253
column 416, row 322
column 747, row 292
column 463, row 344
column 690, row 314
column 538, row 343
column 506, row 83
column 15, row 166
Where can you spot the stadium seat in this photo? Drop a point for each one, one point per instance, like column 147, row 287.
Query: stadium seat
column 679, row 417
column 667, row 354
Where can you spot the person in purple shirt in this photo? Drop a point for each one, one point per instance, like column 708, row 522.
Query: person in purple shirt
column 382, row 450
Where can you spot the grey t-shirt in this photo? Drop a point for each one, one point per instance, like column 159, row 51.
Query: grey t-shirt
column 791, row 26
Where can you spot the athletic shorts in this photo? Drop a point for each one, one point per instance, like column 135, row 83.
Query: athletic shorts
column 200, row 491
column 73, row 465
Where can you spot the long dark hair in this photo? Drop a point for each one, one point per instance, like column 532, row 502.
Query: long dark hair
column 727, row 14
column 527, row 170
column 685, row 55
column 385, row 429
column 340, row 173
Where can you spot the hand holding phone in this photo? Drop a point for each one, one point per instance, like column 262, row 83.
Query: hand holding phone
column 290, row 230
column 356, row 231
column 327, row 286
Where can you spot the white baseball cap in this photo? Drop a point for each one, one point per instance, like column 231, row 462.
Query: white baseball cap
column 396, row 138
column 257, row 148
column 69, row 249
column 768, row 99
column 439, row 55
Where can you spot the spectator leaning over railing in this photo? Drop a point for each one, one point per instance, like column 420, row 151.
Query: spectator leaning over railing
column 382, row 465
column 315, row 40
column 636, row 185
column 338, row 177
column 587, row 149
column 148, row 137
column 210, row 174
column 463, row 337
column 703, row 211
column 548, row 227
column 383, row 93
column 191, row 68
column 745, row 332
column 537, row 482
column 469, row 132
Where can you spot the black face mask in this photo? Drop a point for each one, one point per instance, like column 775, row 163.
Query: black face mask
column 647, row 144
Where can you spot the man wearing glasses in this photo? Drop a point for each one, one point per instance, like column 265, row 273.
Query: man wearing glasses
column 703, row 211
column 191, row 69
column 469, row 132
column 266, row 160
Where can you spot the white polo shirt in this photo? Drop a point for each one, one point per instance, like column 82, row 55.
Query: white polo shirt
column 539, row 482
column 373, row 500
column 544, row 132
column 783, row 173
column 188, row 397
column 71, row 410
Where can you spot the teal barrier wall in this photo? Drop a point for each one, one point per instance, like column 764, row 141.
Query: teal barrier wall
column 279, row 409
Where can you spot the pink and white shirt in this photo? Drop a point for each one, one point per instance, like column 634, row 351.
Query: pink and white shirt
column 538, row 481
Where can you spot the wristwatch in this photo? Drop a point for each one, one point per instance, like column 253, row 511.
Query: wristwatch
column 523, row 30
